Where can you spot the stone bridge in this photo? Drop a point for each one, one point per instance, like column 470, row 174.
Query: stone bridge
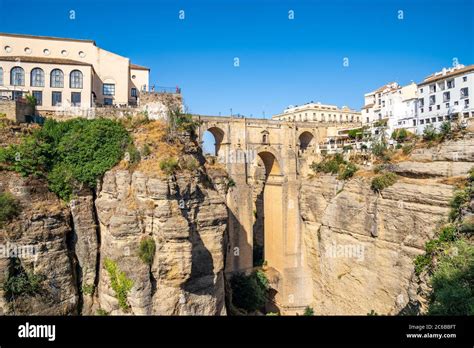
column 263, row 158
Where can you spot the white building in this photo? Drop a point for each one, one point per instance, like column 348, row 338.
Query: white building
column 317, row 112
column 444, row 96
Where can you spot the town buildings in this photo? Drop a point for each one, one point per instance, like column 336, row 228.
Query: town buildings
column 62, row 72
column 317, row 112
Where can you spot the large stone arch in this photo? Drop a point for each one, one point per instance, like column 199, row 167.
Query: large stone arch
column 218, row 134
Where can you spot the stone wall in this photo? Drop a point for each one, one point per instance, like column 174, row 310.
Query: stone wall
column 15, row 110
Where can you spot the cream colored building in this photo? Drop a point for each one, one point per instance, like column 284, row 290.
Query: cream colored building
column 317, row 112
column 61, row 71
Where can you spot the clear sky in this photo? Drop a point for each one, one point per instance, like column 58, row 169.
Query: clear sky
column 282, row 61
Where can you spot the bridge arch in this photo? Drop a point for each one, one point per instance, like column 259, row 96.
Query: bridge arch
column 306, row 141
column 218, row 135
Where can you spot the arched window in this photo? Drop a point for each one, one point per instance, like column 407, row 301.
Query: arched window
column 1, row 76
column 37, row 77
column 57, row 78
column 17, row 76
column 75, row 79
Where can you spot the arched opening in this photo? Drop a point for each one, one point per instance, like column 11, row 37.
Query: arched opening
column 267, row 209
column 305, row 141
column 212, row 140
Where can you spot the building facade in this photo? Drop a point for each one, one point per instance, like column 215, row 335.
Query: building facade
column 317, row 112
column 67, row 72
column 445, row 96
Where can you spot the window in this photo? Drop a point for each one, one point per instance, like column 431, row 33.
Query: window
column 438, row 107
column 17, row 76
column 57, row 98
column 446, row 96
column 57, row 79
column 17, row 95
column 76, row 98
column 75, row 79
column 450, row 83
column 432, row 99
column 265, row 139
column 464, row 92
column 441, row 86
column 432, row 88
column 447, row 105
column 427, row 121
column 464, row 78
column 38, row 97
column 421, row 110
column 1, row 76
column 440, row 118
column 421, row 102
column 421, row 90
column 466, row 103
column 456, row 103
column 37, row 77
column 108, row 101
column 430, row 108
column 109, row 89
column 133, row 93
column 422, row 121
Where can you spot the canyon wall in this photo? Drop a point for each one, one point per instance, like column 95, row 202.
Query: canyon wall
column 360, row 245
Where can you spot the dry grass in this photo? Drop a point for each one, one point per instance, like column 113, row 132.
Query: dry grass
column 458, row 181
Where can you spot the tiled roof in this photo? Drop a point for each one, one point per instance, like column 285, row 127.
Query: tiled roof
column 27, row 59
column 138, row 67
column 46, row 37
column 433, row 77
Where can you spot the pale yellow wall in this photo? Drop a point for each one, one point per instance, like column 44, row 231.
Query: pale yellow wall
column 47, row 90
column 109, row 67
column 141, row 79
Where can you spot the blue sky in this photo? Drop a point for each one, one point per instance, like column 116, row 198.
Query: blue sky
column 282, row 61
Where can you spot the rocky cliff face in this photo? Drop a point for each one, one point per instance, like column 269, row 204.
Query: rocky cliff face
column 361, row 245
column 186, row 220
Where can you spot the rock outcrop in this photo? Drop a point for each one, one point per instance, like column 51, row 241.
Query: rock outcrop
column 361, row 245
column 187, row 222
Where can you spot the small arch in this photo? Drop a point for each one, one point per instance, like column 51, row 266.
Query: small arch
column 305, row 140
column 272, row 167
column 218, row 135
column 57, row 78
column 17, row 76
column 37, row 77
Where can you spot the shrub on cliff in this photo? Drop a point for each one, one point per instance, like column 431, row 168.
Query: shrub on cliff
column 69, row 154
column 249, row 292
column 169, row 165
column 9, row 207
column 119, row 282
column 21, row 282
column 335, row 164
column 383, row 181
column 147, row 249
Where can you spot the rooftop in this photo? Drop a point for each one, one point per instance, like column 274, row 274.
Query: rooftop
column 47, row 37
column 28, row 59
column 454, row 71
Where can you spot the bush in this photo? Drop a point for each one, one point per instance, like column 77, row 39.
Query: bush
column 348, row 171
column 147, row 250
column 169, row 165
column 189, row 163
column 407, row 149
column 120, row 284
column 383, row 181
column 460, row 198
column 421, row 262
column 21, row 282
column 329, row 164
column 453, row 282
column 146, row 151
column 132, row 155
column 400, row 134
column 101, row 312
column 308, row 311
column 379, row 149
column 445, row 129
column 447, row 233
column 355, row 133
column 69, row 153
column 9, row 208
column 471, row 174
column 429, row 133
column 249, row 292
column 88, row 289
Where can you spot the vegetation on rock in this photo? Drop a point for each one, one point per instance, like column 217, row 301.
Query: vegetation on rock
column 146, row 250
column 335, row 164
column 20, row 281
column 120, row 284
column 383, row 181
column 249, row 292
column 9, row 207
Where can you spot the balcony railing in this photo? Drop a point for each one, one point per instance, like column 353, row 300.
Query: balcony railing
column 161, row 89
